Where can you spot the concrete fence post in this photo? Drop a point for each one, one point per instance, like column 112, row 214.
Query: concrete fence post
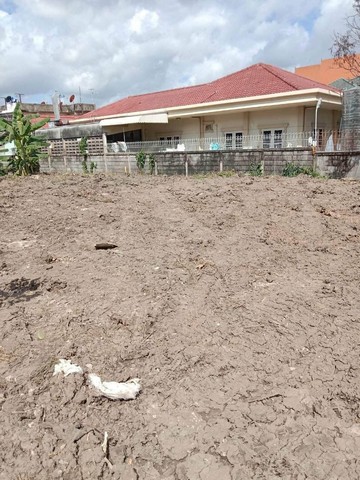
column 314, row 160
column 64, row 153
column 49, row 158
column 105, row 164
column 186, row 166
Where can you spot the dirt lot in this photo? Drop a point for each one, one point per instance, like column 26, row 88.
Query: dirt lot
column 234, row 300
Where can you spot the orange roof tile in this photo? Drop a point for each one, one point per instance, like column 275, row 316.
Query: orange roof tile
column 326, row 72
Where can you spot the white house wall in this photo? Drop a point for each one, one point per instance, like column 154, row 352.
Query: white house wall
column 289, row 120
column 327, row 119
column 286, row 119
column 183, row 128
column 218, row 125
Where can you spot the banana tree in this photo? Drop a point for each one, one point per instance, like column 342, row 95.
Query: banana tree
column 21, row 131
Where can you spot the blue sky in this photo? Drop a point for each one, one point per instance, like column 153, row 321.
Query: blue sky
column 7, row 6
column 115, row 48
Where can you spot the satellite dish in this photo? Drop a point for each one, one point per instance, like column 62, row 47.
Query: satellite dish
column 72, row 98
column 8, row 99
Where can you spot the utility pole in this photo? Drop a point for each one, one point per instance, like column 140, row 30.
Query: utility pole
column 92, row 91
column 20, row 95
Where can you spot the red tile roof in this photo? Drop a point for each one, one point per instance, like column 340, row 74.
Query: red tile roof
column 259, row 79
column 64, row 118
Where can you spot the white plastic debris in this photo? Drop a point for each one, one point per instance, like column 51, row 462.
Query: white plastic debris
column 114, row 390
column 66, row 367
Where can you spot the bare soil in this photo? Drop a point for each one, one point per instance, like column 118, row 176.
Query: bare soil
column 234, row 300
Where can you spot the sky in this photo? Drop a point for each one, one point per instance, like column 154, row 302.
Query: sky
column 104, row 50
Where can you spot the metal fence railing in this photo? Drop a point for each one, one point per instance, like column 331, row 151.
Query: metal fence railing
column 325, row 140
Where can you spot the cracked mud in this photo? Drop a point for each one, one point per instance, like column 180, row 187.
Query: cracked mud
column 235, row 300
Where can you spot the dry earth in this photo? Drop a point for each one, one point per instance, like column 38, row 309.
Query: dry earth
column 235, row 300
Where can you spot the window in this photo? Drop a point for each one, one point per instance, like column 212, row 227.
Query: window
column 228, row 141
column 278, row 139
column 172, row 140
column 238, row 140
column 272, row 138
column 266, row 138
column 131, row 136
column 320, row 137
column 233, row 140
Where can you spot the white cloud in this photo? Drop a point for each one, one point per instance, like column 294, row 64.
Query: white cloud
column 120, row 48
column 144, row 20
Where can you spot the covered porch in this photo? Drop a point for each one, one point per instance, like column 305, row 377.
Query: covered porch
column 247, row 127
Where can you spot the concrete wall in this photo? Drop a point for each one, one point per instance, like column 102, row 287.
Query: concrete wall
column 71, row 131
column 334, row 165
column 178, row 163
column 239, row 161
column 120, row 163
column 339, row 164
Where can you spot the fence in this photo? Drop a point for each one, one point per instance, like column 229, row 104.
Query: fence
column 326, row 140
column 70, row 146
column 187, row 163
column 346, row 140
column 270, row 162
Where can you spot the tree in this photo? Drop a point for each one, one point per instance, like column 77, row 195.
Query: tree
column 345, row 46
column 21, row 130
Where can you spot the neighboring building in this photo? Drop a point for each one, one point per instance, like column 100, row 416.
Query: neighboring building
column 343, row 84
column 261, row 106
column 325, row 72
column 45, row 110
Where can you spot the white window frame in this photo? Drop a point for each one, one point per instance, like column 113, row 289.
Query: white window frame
column 233, row 140
column 170, row 139
column 275, row 137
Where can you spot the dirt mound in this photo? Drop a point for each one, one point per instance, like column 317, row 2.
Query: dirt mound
column 234, row 300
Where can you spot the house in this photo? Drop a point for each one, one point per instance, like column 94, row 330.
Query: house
column 327, row 71
column 261, row 106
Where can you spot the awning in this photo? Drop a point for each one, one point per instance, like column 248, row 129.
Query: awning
column 155, row 118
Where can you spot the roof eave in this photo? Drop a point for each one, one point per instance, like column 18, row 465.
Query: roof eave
column 260, row 101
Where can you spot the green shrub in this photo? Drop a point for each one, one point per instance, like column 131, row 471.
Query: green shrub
column 3, row 170
column 83, row 148
column 292, row 170
column 256, row 169
column 93, row 167
column 152, row 161
column 227, row 173
column 140, row 160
